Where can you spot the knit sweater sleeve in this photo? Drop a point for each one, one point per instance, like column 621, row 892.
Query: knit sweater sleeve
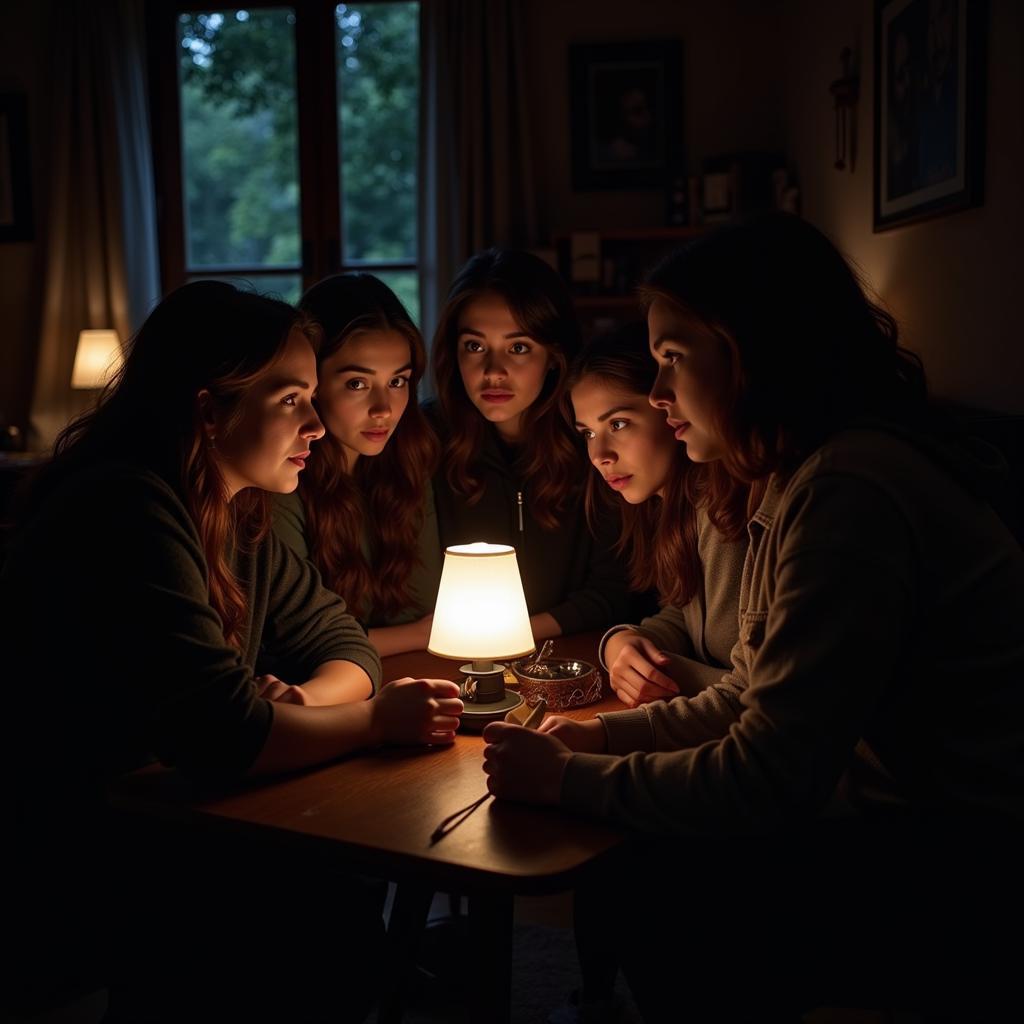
column 151, row 647
column 307, row 624
column 842, row 584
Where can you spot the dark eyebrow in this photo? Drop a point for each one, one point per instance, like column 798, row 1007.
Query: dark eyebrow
column 508, row 337
column 610, row 412
column 288, row 382
column 352, row 369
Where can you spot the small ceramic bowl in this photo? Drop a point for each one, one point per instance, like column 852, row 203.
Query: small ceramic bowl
column 563, row 683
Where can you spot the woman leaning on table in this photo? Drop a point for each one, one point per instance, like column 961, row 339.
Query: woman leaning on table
column 143, row 586
column 867, row 744
column 511, row 469
column 364, row 509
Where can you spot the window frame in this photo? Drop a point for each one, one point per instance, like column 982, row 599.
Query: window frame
column 320, row 183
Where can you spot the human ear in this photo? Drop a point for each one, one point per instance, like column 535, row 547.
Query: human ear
column 207, row 415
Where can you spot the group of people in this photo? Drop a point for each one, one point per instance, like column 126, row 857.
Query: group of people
column 812, row 613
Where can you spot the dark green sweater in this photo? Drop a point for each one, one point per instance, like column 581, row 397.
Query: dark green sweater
column 118, row 655
column 290, row 527
column 569, row 572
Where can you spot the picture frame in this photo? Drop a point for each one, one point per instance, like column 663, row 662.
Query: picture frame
column 929, row 125
column 15, row 175
column 625, row 113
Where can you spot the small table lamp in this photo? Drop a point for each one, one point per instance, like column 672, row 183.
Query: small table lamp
column 97, row 359
column 481, row 615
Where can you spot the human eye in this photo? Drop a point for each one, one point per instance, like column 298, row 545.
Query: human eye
column 671, row 356
column 356, row 384
column 290, row 400
column 398, row 382
column 585, row 433
column 618, row 424
column 472, row 345
column 519, row 348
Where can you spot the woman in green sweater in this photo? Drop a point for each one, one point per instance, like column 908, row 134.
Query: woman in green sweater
column 672, row 545
column 511, row 469
column 364, row 509
column 867, row 740
column 145, row 552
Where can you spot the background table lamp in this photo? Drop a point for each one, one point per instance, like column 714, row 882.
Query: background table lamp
column 481, row 615
column 97, row 358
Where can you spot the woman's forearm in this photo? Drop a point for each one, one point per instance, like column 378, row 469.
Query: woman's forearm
column 338, row 682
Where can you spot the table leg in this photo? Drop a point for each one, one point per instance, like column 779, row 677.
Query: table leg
column 490, row 958
column 405, row 929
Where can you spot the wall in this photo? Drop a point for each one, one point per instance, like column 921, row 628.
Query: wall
column 953, row 282
column 22, row 69
column 732, row 92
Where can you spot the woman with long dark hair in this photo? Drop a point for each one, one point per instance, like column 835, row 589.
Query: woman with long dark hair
column 141, row 589
column 673, row 547
column 364, row 509
column 867, row 740
column 511, row 471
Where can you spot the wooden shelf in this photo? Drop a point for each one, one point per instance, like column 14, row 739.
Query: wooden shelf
column 660, row 234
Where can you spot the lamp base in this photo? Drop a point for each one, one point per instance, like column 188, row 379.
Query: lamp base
column 484, row 696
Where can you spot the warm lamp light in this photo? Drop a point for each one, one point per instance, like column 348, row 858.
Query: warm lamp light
column 97, row 359
column 481, row 615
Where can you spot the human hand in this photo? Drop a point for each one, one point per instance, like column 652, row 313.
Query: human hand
column 416, row 711
column 524, row 764
column 582, row 737
column 271, row 688
column 635, row 673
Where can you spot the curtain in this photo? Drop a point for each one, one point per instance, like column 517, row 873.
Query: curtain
column 476, row 182
column 102, row 264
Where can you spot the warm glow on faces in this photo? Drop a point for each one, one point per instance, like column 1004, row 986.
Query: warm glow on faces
column 502, row 368
column 269, row 444
column 693, row 370
column 364, row 389
column 628, row 441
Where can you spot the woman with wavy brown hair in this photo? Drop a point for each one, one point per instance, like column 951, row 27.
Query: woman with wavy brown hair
column 145, row 550
column 672, row 544
column 364, row 509
column 856, row 777
column 511, row 469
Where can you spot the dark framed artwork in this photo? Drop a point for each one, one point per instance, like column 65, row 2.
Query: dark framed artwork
column 15, row 195
column 625, row 120
column 929, row 108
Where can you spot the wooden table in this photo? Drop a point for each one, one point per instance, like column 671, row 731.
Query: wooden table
column 376, row 812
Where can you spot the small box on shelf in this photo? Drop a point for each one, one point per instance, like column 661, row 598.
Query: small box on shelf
column 622, row 258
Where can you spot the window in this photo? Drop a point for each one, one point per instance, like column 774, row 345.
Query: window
column 287, row 142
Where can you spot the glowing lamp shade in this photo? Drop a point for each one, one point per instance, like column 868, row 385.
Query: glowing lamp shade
column 97, row 359
column 481, row 610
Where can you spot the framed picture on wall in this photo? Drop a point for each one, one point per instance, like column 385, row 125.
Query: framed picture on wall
column 625, row 122
column 15, row 196
column 929, row 108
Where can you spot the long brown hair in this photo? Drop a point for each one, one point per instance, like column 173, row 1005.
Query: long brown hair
column 206, row 335
column 540, row 304
column 383, row 497
column 809, row 352
column 659, row 535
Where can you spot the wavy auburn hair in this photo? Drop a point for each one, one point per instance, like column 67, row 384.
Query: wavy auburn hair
column 206, row 335
column 383, row 497
column 809, row 352
column 660, row 535
column 540, row 304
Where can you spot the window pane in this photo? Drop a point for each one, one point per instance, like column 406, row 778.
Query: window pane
column 239, row 137
column 377, row 46
column 278, row 286
column 405, row 284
